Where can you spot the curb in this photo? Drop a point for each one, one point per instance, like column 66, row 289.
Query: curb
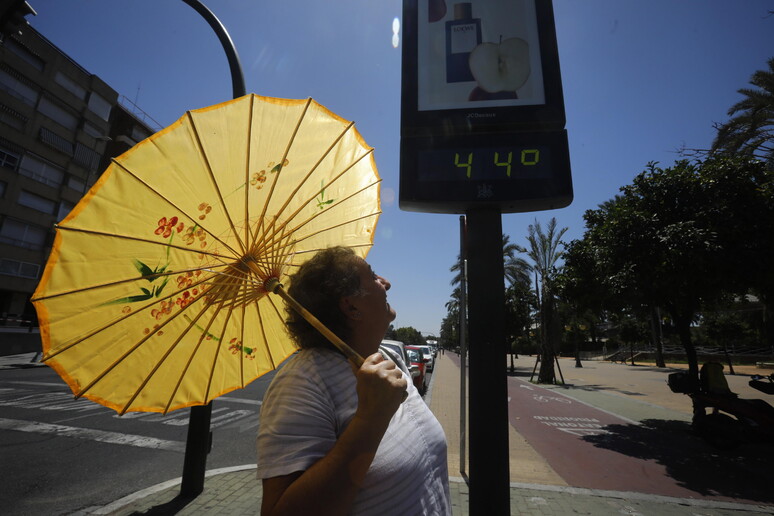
column 130, row 499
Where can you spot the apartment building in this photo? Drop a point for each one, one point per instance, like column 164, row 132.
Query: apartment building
column 59, row 127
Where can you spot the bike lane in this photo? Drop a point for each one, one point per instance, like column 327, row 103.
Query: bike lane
column 555, row 426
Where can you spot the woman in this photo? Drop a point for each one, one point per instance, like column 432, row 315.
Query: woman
column 334, row 439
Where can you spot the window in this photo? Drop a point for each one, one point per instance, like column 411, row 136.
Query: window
column 37, row 202
column 92, row 130
column 18, row 87
column 41, row 171
column 21, row 269
column 76, row 184
column 58, row 114
column 25, row 53
column 8, row 159
column 64, row 209
column 86, row 157
column 99, row 106
column 12, row 117
column 18, row 233
column 55, row 141
column 70, row 85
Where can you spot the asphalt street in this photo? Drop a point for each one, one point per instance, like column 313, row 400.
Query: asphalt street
column 60, row 454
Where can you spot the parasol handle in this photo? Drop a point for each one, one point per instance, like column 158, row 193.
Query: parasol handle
column 273, row 285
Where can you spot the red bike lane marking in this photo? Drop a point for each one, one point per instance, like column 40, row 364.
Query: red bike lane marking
column 555, row 424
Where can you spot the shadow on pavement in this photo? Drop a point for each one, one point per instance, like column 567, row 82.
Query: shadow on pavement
column 743, row 473
column 173, row 506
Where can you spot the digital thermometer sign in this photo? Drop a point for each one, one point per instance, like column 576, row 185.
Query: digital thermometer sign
column 482, row 111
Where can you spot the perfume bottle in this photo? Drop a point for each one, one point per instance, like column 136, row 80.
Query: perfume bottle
column 463, row 34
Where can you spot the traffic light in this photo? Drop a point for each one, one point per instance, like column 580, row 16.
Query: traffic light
column 12, row 15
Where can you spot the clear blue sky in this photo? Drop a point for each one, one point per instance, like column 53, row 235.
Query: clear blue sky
column 641, row 79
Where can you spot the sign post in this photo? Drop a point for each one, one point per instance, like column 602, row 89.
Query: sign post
column 488, row 390
column 482, row 133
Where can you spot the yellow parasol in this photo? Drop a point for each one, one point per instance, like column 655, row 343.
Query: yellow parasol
column 156, row 293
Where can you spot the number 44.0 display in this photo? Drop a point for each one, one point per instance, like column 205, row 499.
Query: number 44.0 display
column 522, row 171
column 504, row 163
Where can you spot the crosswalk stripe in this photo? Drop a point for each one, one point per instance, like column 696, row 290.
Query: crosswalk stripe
column 91, row 434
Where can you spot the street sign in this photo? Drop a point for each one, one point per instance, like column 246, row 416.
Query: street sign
column 482, row 111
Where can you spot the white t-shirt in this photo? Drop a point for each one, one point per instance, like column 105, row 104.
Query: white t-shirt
column 309, row 404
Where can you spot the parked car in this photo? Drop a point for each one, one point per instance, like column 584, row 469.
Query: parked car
column 400, row 349
column 429, row 357
column 417, row 359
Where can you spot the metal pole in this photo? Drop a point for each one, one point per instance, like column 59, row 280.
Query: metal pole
column 463, row 346
column 199, row 440
column 197, row 446
column 237, row 77
column 488, row 414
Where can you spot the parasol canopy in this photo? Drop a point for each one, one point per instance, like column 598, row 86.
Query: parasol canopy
column 156, row 293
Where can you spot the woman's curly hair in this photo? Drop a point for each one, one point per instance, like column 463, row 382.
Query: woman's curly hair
column 318, row 285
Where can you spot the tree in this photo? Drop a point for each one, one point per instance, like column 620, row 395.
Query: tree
column 390, row 333
column 680, row 237
column 516, row 271
column 449, row 338
column 410, row 336
column 544, row 252
column 590, row 298
column 750, row 131
column 580, row 289
column 519, row 301
column 516, row 268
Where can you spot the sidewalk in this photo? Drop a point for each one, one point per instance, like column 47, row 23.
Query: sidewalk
column 535, row 488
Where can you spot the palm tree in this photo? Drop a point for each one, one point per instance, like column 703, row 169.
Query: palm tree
column 516, row 268
column 516, row 271
column 750, row 131
column 545, row 253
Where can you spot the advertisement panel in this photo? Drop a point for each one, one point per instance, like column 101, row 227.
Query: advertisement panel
column 478, row 55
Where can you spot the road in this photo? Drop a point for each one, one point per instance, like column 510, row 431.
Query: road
column 59, row 455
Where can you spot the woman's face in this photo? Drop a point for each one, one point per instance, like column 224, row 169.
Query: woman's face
column 372, row 303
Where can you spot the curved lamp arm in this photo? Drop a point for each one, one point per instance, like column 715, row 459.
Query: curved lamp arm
column 237, row 77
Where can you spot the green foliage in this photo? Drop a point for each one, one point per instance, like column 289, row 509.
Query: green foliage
column 519, row 304
column 390, row 334
column 449, row 338
column 545, row 253
column 410, row 336
column 682, row 234
column 677, row 237
column 749, row 131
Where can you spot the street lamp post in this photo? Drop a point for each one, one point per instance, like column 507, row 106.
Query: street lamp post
column 199, row 440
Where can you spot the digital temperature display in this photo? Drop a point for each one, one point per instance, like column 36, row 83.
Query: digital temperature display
column 484, row 163
column 515, row 171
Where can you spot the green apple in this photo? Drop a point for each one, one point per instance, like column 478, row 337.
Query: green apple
column 500, row 66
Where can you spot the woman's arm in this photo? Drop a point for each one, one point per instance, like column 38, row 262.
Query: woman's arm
column 330, row 485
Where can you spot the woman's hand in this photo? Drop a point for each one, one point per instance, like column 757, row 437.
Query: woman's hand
column 381, row 388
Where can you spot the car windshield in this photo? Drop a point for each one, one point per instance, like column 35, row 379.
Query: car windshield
column 392, row 347
column 413, row 355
